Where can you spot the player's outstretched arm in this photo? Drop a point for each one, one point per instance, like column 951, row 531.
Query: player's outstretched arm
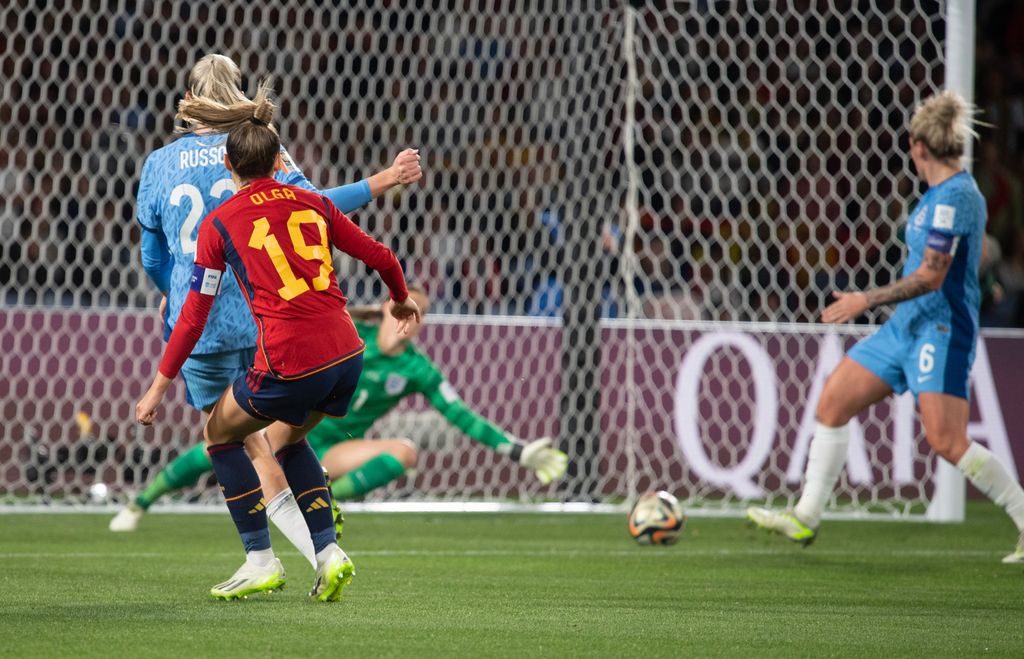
column 405, row 170
column 547, row 462
column 352, row 240
column 926, row 279
column 406, row 312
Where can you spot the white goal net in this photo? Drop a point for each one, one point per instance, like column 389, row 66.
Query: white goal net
column 631, row 213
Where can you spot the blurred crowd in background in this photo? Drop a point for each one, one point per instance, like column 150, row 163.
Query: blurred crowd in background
column 768, row 171
column 821, row 205
column 999, row 158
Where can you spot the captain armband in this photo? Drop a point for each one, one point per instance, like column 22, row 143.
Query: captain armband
column 942, row 242
column 206, row 281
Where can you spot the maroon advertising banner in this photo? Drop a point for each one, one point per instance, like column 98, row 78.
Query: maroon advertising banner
column 696, row 408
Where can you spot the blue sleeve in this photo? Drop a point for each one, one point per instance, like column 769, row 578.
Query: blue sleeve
column 146, row 201
column 156, row 258
column 346, row 197
column 292, row 175
column 350, row 197
column 955, row 213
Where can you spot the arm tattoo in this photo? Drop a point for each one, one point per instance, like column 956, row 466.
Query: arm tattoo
column 937, row 261
column 898, row 291
column 913, row 285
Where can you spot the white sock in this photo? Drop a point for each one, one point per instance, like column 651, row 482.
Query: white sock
column 825, row 461
column 286, row 516
column 990, row 476
column 260, row 557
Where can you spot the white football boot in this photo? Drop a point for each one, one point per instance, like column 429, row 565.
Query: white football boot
column 250, row 579
column 784, row 523
column 127, row 519
column 1018, row 554
column 334, row 570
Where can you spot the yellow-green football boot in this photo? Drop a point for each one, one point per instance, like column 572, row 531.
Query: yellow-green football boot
column 784, row 523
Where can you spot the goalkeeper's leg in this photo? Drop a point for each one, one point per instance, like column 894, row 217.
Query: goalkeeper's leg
column 945, row 423
column 362, row 465
column 183, row 471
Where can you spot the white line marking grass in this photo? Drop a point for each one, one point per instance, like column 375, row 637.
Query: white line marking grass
column 652, row 552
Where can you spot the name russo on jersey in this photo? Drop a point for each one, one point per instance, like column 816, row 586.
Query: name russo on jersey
column 205, row 157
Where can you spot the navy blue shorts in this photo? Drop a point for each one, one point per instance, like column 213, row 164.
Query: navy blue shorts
column 264, row 396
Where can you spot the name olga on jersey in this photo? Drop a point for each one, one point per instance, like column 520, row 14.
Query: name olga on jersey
column 205, row 157
column 274, row 193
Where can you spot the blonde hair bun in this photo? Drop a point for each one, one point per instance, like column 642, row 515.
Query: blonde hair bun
column 945, row 124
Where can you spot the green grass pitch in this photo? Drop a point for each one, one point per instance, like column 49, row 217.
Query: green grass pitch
column 475, row 585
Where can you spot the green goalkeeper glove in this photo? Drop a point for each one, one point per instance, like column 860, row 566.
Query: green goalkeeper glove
column 540, row 457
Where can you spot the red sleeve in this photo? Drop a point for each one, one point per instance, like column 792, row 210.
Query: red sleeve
column 210, row 244
column 186, row 332
column 349, row 238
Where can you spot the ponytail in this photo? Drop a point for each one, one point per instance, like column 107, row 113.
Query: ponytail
column 201, row 112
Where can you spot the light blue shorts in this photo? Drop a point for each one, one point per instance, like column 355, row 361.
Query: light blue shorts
column 208, row 376
column 923, row 363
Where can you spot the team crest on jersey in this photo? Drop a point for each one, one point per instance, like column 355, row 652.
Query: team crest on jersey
column 395, row 384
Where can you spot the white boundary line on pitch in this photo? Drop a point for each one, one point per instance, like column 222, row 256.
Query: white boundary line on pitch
column 679, row 551
column 490, row 507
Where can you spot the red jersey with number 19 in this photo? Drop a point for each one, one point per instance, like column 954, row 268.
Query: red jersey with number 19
column 277, row 239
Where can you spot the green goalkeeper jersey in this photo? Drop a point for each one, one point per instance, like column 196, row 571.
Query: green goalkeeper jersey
column 385, row 381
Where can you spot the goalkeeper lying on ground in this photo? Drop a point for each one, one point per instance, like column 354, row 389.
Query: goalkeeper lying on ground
column 393, row 368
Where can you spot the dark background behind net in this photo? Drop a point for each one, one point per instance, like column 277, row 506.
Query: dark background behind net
column 803, row 109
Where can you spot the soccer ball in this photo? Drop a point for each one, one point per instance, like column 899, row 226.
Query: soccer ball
column 656, row 519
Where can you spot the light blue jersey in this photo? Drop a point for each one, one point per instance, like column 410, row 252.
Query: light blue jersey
column 956, row 209
column 181, row 183
column 928, row 345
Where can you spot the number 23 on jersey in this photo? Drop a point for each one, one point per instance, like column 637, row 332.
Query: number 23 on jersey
column 294, row 285
column 189, row 228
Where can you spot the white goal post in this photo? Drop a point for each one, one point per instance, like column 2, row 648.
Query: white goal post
column 950, row 495
column 631, row 215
